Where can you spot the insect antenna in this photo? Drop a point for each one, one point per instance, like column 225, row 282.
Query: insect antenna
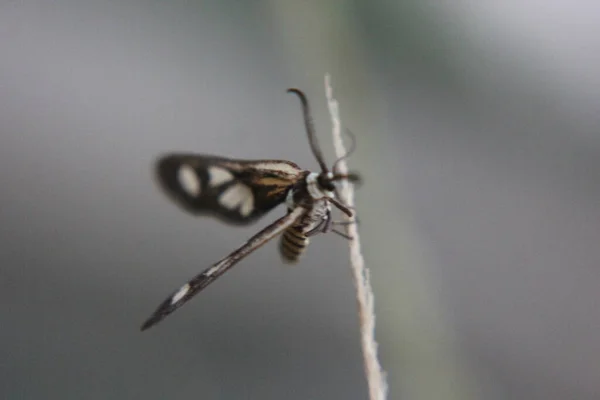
column 310, row 129
column 348, row 153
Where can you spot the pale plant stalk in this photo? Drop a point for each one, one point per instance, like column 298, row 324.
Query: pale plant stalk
column 364, row 292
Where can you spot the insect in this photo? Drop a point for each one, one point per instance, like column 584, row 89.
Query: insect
column 241, row 191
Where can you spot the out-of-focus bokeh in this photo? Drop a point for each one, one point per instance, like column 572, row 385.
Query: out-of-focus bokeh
column 478, row 137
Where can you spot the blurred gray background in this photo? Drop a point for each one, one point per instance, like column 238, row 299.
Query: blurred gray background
column 477, row 125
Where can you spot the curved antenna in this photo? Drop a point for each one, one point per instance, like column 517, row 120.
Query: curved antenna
column 348, row 153
column 310, row 129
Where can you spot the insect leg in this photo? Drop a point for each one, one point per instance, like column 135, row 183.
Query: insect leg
column 346, row 223
column 342, row 234
column 324, row 226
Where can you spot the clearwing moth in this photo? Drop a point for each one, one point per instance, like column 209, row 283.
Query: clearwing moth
column 240, row 192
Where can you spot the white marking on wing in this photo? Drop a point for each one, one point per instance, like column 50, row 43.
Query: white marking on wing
column 218, row 176
column 214, row 269
column 180, row 293
column 237, row 195
column 189, row 180
column 247, row 206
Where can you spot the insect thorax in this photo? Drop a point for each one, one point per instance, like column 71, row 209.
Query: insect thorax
column 310, row 196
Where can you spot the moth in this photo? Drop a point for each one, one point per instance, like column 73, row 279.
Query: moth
column 242, row 191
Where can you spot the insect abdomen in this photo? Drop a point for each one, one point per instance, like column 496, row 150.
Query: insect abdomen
column 292, row 244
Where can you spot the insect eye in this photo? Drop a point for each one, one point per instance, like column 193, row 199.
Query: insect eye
column 325, row 182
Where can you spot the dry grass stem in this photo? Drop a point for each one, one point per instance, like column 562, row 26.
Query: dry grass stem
column 364, row 292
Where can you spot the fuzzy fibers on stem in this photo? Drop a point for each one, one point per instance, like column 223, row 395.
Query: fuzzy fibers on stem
column 364, row 292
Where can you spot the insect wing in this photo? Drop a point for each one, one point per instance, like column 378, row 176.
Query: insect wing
column 236, row 191
column 209, row 275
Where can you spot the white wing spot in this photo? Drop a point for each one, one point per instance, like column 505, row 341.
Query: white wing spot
column 189, row 181
column 238, row 195
column 218, row 176
column 247, row 206
column 211, row 271
column 180, row 293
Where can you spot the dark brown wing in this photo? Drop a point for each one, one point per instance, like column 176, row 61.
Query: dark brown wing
column 236, row 191
column 209, row 275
